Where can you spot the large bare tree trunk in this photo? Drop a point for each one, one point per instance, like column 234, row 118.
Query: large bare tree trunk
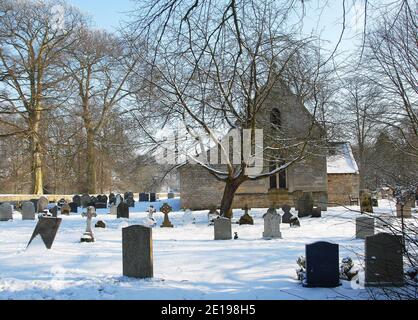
column 36, row 150
column 91, row 163
column 231, row 186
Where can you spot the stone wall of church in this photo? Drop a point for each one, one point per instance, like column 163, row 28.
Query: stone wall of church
column 340, row 186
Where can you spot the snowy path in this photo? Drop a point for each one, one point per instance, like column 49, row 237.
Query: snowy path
column 188, row 264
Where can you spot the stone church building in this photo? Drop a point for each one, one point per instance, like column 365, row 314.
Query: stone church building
column 285, row 111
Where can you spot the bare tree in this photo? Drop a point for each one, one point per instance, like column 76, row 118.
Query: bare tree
column 32, row 41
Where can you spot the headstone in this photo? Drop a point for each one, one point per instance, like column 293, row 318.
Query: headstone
column 93, row 202
column 246, row 219
column 364, row 227
column 375, row 202
column 85, row 200
column 28, row 211
column 137, row 252
column 47, row 228
column 118, row 199
column 294, row 222
column 144, row 197
column 6, row 212
column 166, row 209
column 170, row 195
column 74, row 207
column 223, row 229
column 153, row 197
column 54, row 211
column 128, row 194
column 100, row 224
column 213, row 215
column 384, row 261
column 42, row 204
column 366, row 201
column 316, row 213
column 112, row 198
column 100, row 205
column 35, row 203
column 77, row 200
column 113, row 210
column 305, row 205
column 122, row 211
column 88, row 235
column 405, row 212
column 287, row 215
column 66, row 209
column 130, row 202
column 61, row 202
column 102, row 199
column 322, row 265
column 272, row 221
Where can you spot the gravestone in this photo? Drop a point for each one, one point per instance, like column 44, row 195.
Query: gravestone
column 384, row 261
column 170, row 195
column 294, row 222
column 66, row 209
column 153, row 197
column 112, row 198
column 130, row 202
column 42, row 204
column 54, row 211
column 100, row 205
column 375, row 202
column 213, row 215
column 364, row 227
column 85, row 200
column 100, row 224
column 223, row 229
column 77, row 200
column 93, row 202
column 316, row 213
column 118, row 199
column 166, row 209
column 128, row 194
column 6, row 212
column 74, row 207
column 102, row 199
column 113, row 210
column 405, row 212
column 366, row 201
column 322, row 265
column 305, row 205
column 272, row 221
column 287, row 215
column 246, row 219
column 61, row 202
column 88, row 235
column 144, row 197
column 137, row 252
column 122, row 211
column 47, row 228
column 28, row 211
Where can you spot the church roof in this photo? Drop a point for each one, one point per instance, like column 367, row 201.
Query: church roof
column 341, row 159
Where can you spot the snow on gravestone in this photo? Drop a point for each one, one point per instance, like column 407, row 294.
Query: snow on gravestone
column 322, row 269
column 137, row 252
column 364, row 227
column 6, row 212
column 272, row 221
column 47, row 228
column 28, row 211
column 223, row 229
column 384, row 260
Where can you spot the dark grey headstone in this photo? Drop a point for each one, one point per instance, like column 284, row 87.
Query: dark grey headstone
column 223, row 229
column 364, row 227
column 144, row 197
column 112, row 198
column 28, row 211
column 170, row 195
column 85, row 200
column 100, row 205
column 74, row 207
column 77, row 200
column 6, row 212
column 137, row 252
column 123, row 211
column 130, row 202
column 322, row 265
column 47, row 228
column 54, row 211
column 152, row 197
column 42, row 204
column 305, row 205
column 287, row 215
column 384, row 261
column 316, row 213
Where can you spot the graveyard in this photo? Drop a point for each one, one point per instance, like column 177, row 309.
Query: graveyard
column 188, row 263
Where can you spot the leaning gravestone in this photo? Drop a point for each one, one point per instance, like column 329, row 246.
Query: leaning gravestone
column 384, row 261
column 305, row 205
column 122, row 211
column 137, row 252
column 322, row 265
column 272, row 221
column 166, row 209
column 28, row 211
column 42, row 204
column 223, row 229
column 85, row 200
column 47, row 228
column 364, row 227
column 287, row 215
column 366, row 201
column 6, row 212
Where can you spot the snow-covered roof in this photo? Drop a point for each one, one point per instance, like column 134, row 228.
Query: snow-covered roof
column 341, row 159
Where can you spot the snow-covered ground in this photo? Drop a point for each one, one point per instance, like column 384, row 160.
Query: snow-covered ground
column 188, row 263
